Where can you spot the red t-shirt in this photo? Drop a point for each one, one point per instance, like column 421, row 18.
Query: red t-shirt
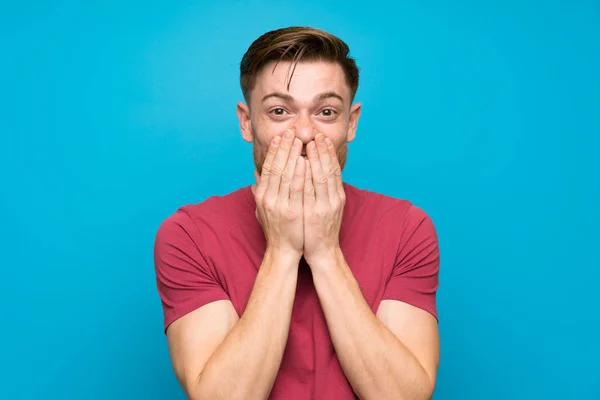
column 212, row 251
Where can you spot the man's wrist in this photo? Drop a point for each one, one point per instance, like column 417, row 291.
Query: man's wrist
column 282, row 258
column 326, row 260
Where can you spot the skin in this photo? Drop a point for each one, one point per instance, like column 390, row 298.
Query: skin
column 383, row 355
column 273, row 109
column 317, row 106
column 393, row 354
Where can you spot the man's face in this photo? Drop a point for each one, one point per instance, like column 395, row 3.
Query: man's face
column 318, row 100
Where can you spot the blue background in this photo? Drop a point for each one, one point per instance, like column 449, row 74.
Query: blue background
column 485, row 114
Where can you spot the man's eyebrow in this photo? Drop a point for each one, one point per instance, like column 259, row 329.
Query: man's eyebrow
column 288, row 98
column 328, row 95
column 282, row 96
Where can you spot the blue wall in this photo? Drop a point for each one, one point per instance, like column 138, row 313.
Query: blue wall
column 486, row 115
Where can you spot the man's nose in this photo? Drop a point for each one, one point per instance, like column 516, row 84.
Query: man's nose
column 304, row 129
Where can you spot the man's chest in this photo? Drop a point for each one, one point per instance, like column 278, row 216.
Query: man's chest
column 370, row 260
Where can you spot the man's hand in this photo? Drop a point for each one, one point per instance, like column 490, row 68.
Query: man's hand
column 278, row 194
column 324, row 201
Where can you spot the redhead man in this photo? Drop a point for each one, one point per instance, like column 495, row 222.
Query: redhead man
column 300, row 286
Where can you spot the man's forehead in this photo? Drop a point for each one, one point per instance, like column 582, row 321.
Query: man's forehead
column 307, row 78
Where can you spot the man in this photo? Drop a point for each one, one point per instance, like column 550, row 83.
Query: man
column 300, row 286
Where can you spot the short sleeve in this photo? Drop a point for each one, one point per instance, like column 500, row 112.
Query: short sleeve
column 184, row 278
column 415, row 275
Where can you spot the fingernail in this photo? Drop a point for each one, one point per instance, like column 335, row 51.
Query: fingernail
column 329, row 142
column 320, row 138
column 287, row 135
column 276, row 140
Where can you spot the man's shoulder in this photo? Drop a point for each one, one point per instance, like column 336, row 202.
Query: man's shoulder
column 373, row 202
column 388, row 215
column 219, row 205
column 384, row 210
column 214, row 210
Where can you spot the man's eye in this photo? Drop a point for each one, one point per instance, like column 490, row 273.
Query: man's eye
column 278, row 111
column 328, row 112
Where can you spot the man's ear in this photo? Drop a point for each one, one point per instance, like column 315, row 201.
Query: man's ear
column 353, row 122
column 243, row 113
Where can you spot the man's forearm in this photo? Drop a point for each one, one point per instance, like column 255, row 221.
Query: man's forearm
column 375, row 362
column 245, row 365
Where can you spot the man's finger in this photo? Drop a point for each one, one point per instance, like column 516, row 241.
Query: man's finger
column 288, row 172
column 263, row 182
column 319, row 179
column 257, row 179
column 337, row 170
column 279, row 163
column 325, row 146
column 297, row 184
column 309, row 189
